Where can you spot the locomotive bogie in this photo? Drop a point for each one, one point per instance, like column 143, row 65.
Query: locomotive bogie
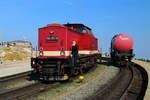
column 61, row 69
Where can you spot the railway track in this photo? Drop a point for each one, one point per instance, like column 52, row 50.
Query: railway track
column 15, row 76
column 14, row 81
column 28, row 90
column 24, row 90
column 130, row 84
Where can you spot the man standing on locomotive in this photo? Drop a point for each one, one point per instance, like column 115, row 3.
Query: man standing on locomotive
column 74, row 49
column 74, row 55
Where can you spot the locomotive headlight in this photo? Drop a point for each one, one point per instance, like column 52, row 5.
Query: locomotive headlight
column 52, row 38
column 33, row 62
column 62, row 53
column 41, row 53
column 56, row 38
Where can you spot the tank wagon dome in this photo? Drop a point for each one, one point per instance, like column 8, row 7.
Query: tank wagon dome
column 122, row 42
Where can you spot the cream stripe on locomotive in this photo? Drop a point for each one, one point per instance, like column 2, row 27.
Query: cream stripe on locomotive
column 67, row 53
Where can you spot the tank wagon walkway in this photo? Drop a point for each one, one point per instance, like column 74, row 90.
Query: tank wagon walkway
column 146, row 66
column 15, row 68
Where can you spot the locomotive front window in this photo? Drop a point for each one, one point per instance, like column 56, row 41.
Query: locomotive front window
column 52, row 38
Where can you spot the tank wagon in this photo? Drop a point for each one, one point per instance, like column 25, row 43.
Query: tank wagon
column 121, row 48
column 64, row 50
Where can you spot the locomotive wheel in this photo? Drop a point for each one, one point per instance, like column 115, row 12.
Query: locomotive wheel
column 82, row 68
column 129, row 59
column 74, row 66
column 76, row 71
column 60, row 68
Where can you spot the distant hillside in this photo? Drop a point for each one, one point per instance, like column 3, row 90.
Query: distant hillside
column 15, row 53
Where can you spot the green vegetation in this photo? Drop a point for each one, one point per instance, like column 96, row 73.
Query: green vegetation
column 142, row 59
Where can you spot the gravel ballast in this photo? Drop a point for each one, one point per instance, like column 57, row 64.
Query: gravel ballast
column 89, row 88
column 77, row 90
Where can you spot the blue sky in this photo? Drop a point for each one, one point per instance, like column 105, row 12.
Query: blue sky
column 20, row 19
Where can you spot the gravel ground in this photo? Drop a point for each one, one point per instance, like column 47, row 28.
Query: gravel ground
column 77, row 90
column 14, row 68
column 15, row 63
column 86, row 90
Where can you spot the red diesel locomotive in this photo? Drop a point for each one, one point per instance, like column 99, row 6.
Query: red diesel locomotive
column 121, row 48
column 56, row 59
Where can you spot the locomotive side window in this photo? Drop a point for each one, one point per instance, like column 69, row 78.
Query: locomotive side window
column 81, row 29
column 90, row 31
column 84, row 31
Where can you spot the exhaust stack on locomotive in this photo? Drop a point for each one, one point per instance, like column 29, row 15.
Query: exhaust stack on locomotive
column 54, row 60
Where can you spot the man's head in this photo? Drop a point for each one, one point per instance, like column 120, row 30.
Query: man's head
column 73, row 42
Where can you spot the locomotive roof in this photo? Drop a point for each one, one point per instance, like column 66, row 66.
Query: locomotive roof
column 68, row 24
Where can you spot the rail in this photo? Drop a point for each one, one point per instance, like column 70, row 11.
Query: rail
column 130, row 84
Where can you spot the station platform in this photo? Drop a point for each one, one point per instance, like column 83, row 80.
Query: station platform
column 146, row 66
column 14, row 68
